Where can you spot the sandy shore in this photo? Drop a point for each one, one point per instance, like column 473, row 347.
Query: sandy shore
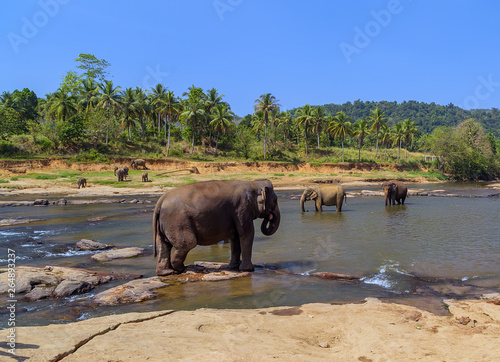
column 372, row 331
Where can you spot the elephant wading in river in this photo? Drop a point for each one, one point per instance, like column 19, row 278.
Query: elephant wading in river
column 395, row 191
column 327, row 195
column 207, row 212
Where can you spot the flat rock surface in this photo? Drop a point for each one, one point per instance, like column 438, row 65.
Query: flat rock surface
column 118, row 254
column 62, row 279
column 86, row 244
column 372, row 331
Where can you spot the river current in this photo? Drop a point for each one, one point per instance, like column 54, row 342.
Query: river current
column 419, row 253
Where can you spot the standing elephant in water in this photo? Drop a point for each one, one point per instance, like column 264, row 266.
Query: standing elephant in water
column 395, row 191
column 327, row 195
column 207, row 212
column 138, row 162
column 82, row 181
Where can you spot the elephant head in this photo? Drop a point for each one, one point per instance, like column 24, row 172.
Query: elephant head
column 309, row 194
column 269, row 211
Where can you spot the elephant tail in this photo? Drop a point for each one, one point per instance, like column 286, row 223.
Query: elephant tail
column 156, row 225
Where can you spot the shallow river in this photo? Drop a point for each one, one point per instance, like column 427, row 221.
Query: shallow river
column 418, row 253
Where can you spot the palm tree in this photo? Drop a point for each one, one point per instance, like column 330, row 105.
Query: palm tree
column 360, row 129
column 171, row 108
column 158, row 93
column 397, row 132
column 409, row 130
column 265, row 103
column 7, row 100
column 108, row 99
column 193, row 114
column 221, row 121
column 305, row 119
column 63, row 105
column 142, row 107
column 385, row 138
column 90, row 91
column 318, row 121
column 128, row 108
column 378, row 121
column 340, row 127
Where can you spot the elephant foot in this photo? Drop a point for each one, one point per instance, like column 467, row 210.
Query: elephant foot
column 247, row 267
column 165, row 272
column 234, row 265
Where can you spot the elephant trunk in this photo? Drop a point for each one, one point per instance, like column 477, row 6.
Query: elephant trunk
column 302, row 200
column 273, row 220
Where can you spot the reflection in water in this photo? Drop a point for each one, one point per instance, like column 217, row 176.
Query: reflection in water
column 429, row 247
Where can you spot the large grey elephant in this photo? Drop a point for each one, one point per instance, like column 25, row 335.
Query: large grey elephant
column 395, row 191
column 81, row 182
column 327, row 195
column 207, row 212
column 138, row 162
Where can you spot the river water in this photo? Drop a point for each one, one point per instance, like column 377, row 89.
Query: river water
column 419, row 253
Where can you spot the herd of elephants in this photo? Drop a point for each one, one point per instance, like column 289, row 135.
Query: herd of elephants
column 208, row 212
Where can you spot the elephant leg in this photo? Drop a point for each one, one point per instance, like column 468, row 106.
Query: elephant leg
column 235, row 252
column 163, row 265
column 178, row 258
column 246, row 243
column 319, row 206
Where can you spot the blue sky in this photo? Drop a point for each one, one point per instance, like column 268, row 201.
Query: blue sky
column 314, row 52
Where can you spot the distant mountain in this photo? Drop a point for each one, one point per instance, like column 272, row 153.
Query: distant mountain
column 426, row 116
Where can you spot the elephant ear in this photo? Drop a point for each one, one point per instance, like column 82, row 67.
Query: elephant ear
column 314, row 194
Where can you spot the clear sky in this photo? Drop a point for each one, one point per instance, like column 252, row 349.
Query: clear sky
column 316, row 52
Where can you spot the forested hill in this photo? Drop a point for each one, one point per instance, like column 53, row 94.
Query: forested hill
column 426, row 116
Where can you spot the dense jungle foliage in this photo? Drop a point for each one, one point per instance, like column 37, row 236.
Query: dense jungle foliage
column 89, row 118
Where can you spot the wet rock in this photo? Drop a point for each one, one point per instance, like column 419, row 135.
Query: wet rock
column 132, row 292
column 60, row 202
column 96, row 219
column 8, row 222
column 28, row 278
column 86, row 244
column 371, row 193
column 70, row 287
column 39, row 292
column 334, row 276
column 41, row 202
column 119, row 254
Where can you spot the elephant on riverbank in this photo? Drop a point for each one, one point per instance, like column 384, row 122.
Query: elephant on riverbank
column 125, row 171
column 328, row 195
column 145, row 177
column 205, row 213
column 82, row 181
column 395, row 191
column 120, row 173
column 138, row 162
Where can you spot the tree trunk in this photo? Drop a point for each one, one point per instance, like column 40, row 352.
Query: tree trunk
column 216, row 144
column 168, row 141
column 318, row 139
column 192, row 142
column 342, row 150
column 376, row 147
column 265, row 136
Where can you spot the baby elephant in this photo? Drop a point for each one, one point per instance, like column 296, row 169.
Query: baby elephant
column 82, row 181
column 395, row 191
column 327, row 195
column 125, row 171
column 120, row 173
column 145, row 177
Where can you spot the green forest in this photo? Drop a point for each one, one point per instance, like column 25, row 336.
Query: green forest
column 89, row 118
